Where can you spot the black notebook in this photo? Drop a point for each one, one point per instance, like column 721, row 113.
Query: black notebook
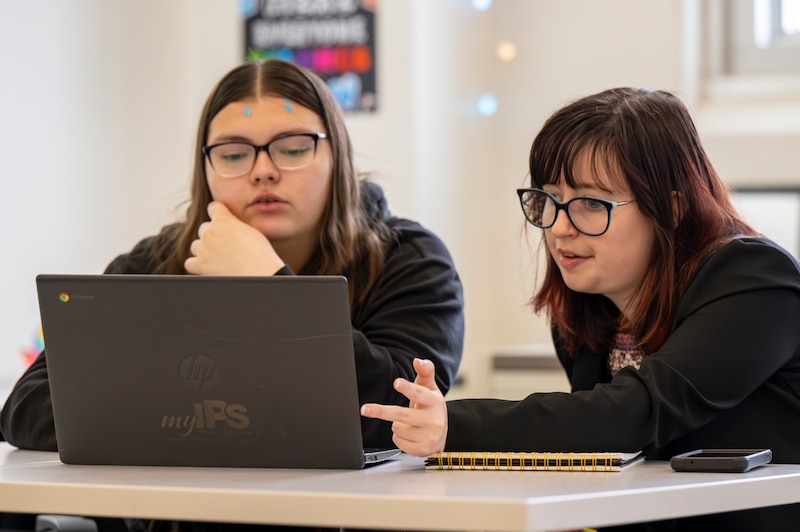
column 534, row 461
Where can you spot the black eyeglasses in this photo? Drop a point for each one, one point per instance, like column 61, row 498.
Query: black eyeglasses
column 590, row 216
column 234, row 159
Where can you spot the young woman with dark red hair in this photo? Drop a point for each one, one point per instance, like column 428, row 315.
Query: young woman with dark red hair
column 675, row 321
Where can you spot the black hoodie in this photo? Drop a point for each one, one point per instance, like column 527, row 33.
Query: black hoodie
column 414, row 310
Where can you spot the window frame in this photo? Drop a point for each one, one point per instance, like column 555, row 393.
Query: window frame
column 734, row 68
column 780, row 53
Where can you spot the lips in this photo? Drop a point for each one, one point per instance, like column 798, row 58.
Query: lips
column 568, row 259
column 267, row 199
column 267, row 204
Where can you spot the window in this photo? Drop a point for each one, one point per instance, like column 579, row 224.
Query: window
column 763, row 36
column 752, row 48
column 747, row 112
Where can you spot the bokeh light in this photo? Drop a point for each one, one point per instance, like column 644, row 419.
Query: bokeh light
column 487, row 105
column 506, row 51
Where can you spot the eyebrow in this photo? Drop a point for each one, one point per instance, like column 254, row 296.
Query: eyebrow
column 231, row 138
column 594, row 191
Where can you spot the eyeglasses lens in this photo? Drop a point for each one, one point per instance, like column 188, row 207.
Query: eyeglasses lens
column 292, row 152
column 232, row 159
column 539, row 208
column 588, row 215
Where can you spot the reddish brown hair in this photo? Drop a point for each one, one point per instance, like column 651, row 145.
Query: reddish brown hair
column 644, row 139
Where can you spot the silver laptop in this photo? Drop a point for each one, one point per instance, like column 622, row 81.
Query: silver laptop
column 180, row 370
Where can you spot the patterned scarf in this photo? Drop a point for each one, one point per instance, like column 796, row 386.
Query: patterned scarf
column 624, row 353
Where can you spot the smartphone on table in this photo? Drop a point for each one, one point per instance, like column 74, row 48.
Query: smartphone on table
column 721, row 460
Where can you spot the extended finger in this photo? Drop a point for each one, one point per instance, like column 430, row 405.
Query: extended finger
column 384, row 412
column 417, row 394
column 391, row 413
column 426, row 373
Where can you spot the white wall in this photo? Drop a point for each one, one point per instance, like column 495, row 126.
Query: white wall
column 99, row 102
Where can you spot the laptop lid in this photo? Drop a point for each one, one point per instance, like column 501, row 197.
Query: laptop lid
column 180, row 370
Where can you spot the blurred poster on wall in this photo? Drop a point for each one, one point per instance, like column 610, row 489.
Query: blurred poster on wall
column 333, row 38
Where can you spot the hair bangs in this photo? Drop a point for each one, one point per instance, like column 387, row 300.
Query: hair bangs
column 562, row 145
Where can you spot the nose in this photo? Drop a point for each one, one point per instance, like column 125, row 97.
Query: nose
column 264, row 169
column 563, row 225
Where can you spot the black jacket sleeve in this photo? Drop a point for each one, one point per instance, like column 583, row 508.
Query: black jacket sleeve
column 26, row 420
column 415, row 310
column 728, row 376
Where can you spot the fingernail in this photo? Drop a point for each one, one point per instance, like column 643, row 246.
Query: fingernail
column 365, row 410
column 398, row 383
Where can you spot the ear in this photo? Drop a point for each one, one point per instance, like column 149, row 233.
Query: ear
column 678, row 208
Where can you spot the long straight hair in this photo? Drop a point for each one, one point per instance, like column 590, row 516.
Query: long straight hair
column 645, row 140
column 349, row 243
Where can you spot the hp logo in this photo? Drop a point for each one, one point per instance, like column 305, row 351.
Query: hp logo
column 199, row 371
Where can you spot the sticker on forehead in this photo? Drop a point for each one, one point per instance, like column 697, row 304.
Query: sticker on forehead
column 248, row 112
column 287, row 104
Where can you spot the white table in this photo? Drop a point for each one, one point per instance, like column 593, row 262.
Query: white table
column 400, row 494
